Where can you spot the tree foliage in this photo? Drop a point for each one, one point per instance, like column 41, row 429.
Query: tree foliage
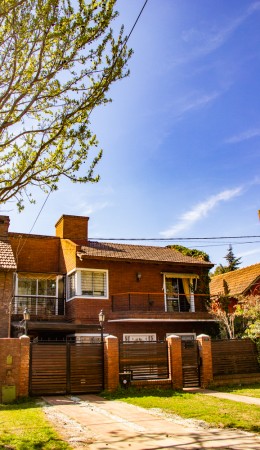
column 237, row 317
column 224, row 312
column 233, row 263
column 190, row 252
column 58, row 60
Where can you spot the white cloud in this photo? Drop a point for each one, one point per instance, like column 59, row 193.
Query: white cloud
column 200, row 211
column 195, row 101
column 207, row 41
column 249, row 134
column 249, row 252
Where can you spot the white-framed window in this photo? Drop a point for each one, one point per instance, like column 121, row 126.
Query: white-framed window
column 179, row 289
column 38, row 292
column 184, row 336
column 89, row 283
column 134, row 337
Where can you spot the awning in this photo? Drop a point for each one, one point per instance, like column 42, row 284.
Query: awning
column 180, row 275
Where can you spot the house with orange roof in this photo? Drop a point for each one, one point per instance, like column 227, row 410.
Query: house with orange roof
column 245, row 281
column 65, row 280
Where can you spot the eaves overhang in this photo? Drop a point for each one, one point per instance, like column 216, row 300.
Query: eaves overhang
column 161, row 320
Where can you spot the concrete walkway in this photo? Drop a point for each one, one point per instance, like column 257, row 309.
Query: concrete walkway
column 227, row 395
column 96, row 424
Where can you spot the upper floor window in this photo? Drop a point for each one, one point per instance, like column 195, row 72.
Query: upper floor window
column 90, row 283
column 41, row 293
column 179, row 291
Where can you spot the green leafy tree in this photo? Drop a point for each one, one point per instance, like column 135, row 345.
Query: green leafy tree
column 58, row 60
column 190, row 252
column 248, row 308
column 233, row 263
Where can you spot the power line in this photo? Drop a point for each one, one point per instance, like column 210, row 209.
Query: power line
column 176, row 239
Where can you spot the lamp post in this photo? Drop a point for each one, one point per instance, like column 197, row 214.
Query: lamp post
column 26, row 318
column 101, row 318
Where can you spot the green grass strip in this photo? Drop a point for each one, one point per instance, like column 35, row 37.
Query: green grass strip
column 23, row 427
column 216, row 412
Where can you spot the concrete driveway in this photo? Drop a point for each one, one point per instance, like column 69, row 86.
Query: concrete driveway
column 91, row 422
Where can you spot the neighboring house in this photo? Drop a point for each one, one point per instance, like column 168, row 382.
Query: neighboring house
column 7, row 269
column 145, row 292
column 245, row 281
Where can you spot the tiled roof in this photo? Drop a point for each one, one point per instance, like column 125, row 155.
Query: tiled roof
column 137, row 253
column 237, row 282
column 7, row 261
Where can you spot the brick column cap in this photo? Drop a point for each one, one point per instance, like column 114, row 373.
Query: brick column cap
column 24, row 337
column 173, row 336
column 205, row 337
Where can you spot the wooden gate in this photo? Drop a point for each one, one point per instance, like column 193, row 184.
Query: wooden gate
column 190, row 364
column 145, row 360
column 66, row 368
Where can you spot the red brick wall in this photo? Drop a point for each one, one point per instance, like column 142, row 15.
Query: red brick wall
column 6, row 293
column 122, row 278
column 14, row 365
column 35, row 253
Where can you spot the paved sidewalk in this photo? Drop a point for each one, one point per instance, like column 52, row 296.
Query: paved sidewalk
column 97, row 424
column 227, row 395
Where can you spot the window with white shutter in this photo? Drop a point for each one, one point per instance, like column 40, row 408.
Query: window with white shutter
column 88, row 283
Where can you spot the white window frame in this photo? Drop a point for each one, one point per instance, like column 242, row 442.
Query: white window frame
column 36, row 296
column 133, row 337
column 183, row 336
column 191, row 277
column 78, row 286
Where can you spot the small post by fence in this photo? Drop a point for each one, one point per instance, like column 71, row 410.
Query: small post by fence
column 206, row 371
column 175, row 361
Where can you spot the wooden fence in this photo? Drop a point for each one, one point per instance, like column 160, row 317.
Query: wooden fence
column 231, row 357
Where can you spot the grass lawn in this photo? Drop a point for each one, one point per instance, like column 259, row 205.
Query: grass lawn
column 217, row 412
column 24, row 427
column 251, row 390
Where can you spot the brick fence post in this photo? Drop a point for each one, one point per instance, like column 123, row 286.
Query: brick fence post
column 206, row 371
column 24, row 366
column 175, row 361
column 111, row 363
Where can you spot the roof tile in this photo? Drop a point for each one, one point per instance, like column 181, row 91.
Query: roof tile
column 237, row 281
column 7, row 260
column 137, row 252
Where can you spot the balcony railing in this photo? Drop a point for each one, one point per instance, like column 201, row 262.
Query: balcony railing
column 157, row 302
column 38, row 306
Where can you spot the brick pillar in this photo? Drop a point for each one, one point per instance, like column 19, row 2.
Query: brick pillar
column 111, row 363
column 175, row 361
column 24, row 366
column 206, row 372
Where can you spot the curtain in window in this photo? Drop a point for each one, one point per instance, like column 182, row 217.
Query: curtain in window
column 186, row 288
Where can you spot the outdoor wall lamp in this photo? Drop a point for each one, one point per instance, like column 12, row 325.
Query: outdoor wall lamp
column 101, row 318
column 138, row 276
column 26, row 318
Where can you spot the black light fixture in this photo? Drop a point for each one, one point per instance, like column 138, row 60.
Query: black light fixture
column 101, row 318
column 26, row 318
column 138, row 276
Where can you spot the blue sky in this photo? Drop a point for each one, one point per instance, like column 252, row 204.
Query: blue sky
column 181, row 138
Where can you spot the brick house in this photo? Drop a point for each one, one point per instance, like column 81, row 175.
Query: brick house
column 146, row 292
column 245, row 281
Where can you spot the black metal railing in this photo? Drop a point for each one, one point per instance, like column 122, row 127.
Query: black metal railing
column 39, row 306
column 156, row 302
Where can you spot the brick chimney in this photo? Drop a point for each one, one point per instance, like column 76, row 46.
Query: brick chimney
column 4, row 226
column 72, row 227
